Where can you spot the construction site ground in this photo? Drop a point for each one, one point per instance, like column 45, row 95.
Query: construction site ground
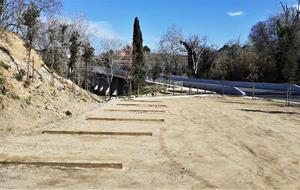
column 183, row 143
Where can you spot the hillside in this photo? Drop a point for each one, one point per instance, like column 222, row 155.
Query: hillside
column 24, row 106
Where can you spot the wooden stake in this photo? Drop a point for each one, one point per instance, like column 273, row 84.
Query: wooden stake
column 98, row 133
column 147, row 101
column 65, row 165
column 32, row 69
column 150, row 105
column 151, row 111
column 123, row 119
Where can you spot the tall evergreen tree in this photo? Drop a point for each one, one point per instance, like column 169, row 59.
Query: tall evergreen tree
column 30, row 21
column 74, row 50
column 88, row 56
column 138, row 61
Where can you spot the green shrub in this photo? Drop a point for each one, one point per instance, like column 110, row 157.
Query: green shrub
column 3, row 90
column 4, row 65
column 28, row 100
column 26, row 84
column 19, row 76
column 15, row 96
column 2, row 80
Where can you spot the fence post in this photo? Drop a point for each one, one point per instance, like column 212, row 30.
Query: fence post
column 32, row 69
column 165, row 87
column 287, row 95
column 181, row 88
column 173, row 88
column 290, row 91
column 130, row 89
column 253, row 90
column 223, row 88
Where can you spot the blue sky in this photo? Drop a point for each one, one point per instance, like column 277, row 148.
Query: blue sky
column 219, row 20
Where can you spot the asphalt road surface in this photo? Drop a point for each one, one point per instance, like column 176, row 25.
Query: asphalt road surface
column 271, row 94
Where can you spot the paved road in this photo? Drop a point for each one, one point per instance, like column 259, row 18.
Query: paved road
column 271, row 94
column 262, row 93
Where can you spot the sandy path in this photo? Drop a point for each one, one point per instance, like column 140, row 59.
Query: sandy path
column 205, row 142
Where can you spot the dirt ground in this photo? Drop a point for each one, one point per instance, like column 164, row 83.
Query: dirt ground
column 205, row 142
column 47, row 98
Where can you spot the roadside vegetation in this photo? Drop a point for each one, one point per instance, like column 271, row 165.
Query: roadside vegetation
column 272, row 53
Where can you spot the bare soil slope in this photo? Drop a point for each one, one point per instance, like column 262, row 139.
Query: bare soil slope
column 23, row 107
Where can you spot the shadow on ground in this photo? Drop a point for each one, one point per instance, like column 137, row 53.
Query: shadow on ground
column 270, row 112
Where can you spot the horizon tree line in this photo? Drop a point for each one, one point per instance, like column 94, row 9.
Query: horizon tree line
column 271, row 55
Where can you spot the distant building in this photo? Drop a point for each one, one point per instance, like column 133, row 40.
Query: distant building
column 123, row 58
column 125, row 51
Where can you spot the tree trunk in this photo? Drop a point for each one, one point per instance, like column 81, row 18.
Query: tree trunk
column 223, row 87
column 28, row 63
column 52, row 69
column 253, row 90
column 287, row 95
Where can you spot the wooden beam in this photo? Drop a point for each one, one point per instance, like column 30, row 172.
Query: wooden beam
column 124, row 119
column 66, row 165
column 146, row 101
column 150, row 105
column 150, row 111
column 98, row 133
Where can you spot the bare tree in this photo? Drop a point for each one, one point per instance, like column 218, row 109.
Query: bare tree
column 288, row 28
column 10, row 13
column 109, row 48
column 49, row 8
column 197, row 49
column 170, row 47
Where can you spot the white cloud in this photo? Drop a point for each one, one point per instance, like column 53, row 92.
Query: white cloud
column 238, row 13
column 101, row 30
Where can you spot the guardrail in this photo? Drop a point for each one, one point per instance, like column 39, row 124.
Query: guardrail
column 220, row 89
column 267, row 86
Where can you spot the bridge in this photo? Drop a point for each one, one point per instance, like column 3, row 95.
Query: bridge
column 106, row 81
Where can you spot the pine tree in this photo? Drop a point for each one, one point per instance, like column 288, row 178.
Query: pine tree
column 138, row 62
column 88, row 56
column 155, row 71
column 30, row 21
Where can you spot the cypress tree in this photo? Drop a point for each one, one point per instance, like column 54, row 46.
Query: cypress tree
column 138, row 62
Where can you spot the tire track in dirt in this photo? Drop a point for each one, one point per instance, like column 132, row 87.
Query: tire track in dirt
column 177, row 165
column 262, row 160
